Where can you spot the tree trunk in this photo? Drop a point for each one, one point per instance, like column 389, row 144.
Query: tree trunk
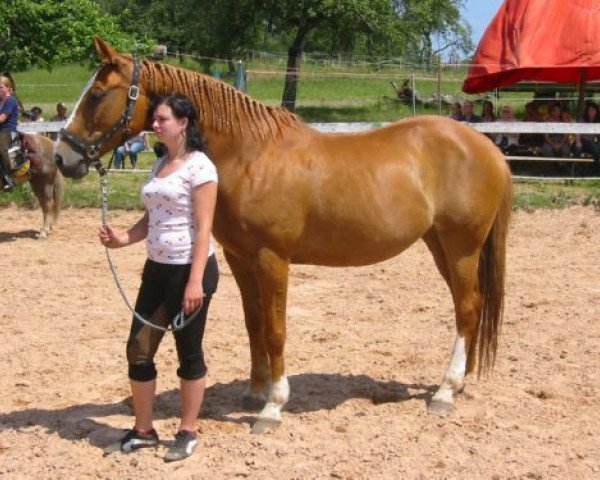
column 290, row 88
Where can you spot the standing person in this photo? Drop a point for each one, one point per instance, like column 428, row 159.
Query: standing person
column 590, row 143
column 61, row 116
column 180, row 272
column 9, row 117
column 131, row 147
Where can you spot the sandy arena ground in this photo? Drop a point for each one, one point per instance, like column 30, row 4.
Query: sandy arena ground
column 366, row 349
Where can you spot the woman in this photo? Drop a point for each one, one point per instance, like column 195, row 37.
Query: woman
column 457, row 113
column 9, row 117
column 487, row 111
column 180, row 272
column 131, row 147
column 589, row 142
column 507, row 142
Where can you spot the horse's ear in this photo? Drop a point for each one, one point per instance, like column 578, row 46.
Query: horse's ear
column 106, row 53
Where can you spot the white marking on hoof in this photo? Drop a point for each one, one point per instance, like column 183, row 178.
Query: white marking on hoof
column 280, row 391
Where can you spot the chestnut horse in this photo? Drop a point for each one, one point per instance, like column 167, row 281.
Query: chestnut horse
column 45, row 179
column 289, row 194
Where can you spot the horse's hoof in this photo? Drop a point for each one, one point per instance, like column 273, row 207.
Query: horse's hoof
column 440, row 408
column 41, row 235
column 265, row 425
column 251, row 403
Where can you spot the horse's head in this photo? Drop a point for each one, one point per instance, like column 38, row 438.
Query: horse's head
column 112, row 108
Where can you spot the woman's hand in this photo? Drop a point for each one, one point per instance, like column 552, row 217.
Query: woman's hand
column 111, row 238
column 192, row 297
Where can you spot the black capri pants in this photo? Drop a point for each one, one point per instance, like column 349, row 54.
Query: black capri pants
column 159, row 301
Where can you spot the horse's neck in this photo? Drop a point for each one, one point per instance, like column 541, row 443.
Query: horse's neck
column 227, row 116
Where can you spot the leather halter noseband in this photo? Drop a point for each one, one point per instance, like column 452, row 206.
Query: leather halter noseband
column 91, row 151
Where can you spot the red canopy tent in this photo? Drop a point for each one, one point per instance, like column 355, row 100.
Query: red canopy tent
column 538, row 40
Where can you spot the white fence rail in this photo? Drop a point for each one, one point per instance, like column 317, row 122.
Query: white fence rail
column 345, row 127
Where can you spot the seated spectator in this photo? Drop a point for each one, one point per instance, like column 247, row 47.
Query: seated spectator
column 556, row 144
column 532, row 140
column 507, row 142
column 61, row 116
column 589, row 142
column 572, row 139
column 487, row 111
column 457, row 113
column 131, row 147
column 470, row 117
column 36, row 114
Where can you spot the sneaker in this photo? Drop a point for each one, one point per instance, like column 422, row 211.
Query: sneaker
column 134, row 440
column 184, row 445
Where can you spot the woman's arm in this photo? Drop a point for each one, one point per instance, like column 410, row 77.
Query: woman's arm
column 204, row 198
column 111, row 238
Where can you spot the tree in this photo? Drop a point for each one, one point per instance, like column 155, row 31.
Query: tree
column 44, row 33
column 429, row 20
column 303, row 17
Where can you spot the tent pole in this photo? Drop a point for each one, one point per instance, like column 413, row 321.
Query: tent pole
column 439, row 86
column 582, row 82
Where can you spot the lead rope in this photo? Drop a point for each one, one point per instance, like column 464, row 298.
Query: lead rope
column 179, row 322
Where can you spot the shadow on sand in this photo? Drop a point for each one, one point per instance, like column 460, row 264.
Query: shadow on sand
column 310, row 392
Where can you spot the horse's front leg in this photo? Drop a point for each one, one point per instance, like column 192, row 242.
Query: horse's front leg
column 272, row 273
column 257, row 392
column 43, row 193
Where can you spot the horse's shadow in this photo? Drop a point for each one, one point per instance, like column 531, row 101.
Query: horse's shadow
column 13, row 236
column 310, row 392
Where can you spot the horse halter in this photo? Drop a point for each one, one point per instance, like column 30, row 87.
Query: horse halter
column 91, row 151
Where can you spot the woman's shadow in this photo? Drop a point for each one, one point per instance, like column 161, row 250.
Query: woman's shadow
column 310, row 392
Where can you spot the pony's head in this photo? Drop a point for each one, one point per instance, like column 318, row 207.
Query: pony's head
column 112, row 108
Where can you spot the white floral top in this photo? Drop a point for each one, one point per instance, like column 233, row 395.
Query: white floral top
column 170, row 209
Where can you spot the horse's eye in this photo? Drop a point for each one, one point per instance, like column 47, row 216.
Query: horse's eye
column 97, row 93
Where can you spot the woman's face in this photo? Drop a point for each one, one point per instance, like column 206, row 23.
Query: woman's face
column 4, row 91
column 166, row 126
column 592, row 112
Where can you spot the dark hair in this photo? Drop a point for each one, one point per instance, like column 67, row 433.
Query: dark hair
column 182, row 107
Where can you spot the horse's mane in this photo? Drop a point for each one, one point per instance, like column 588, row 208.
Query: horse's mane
column 229, row 109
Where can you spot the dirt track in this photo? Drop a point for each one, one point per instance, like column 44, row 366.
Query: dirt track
column 366, row 348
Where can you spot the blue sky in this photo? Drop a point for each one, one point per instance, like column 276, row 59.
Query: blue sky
column 479, row 13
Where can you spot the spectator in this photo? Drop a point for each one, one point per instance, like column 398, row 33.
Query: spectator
column 61, row 116
column 457, row 113
column 556, row 144
column 131, row 147
column 487, row 111
column 532, row 140
column 571, row 139
column 36, row 114
column 507, row 142
column 589, row 142
column 470, row 117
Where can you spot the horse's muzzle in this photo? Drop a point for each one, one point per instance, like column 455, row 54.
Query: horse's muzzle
column 76, row 170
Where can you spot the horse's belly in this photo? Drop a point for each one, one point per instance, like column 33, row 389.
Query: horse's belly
column 342, row 246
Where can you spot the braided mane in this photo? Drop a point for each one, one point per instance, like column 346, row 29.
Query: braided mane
column 221, row 106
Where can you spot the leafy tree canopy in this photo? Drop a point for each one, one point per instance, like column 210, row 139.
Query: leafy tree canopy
column 44, row 33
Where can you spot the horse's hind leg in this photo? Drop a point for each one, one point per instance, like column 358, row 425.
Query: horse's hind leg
column 457, row 258
column 257, row 392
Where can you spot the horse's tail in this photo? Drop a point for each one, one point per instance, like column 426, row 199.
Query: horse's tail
column 492, row 269
column 57, row 196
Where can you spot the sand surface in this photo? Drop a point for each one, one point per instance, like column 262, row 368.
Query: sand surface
column 366, row 349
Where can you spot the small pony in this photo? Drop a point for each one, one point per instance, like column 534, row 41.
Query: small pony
column 34, row 162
